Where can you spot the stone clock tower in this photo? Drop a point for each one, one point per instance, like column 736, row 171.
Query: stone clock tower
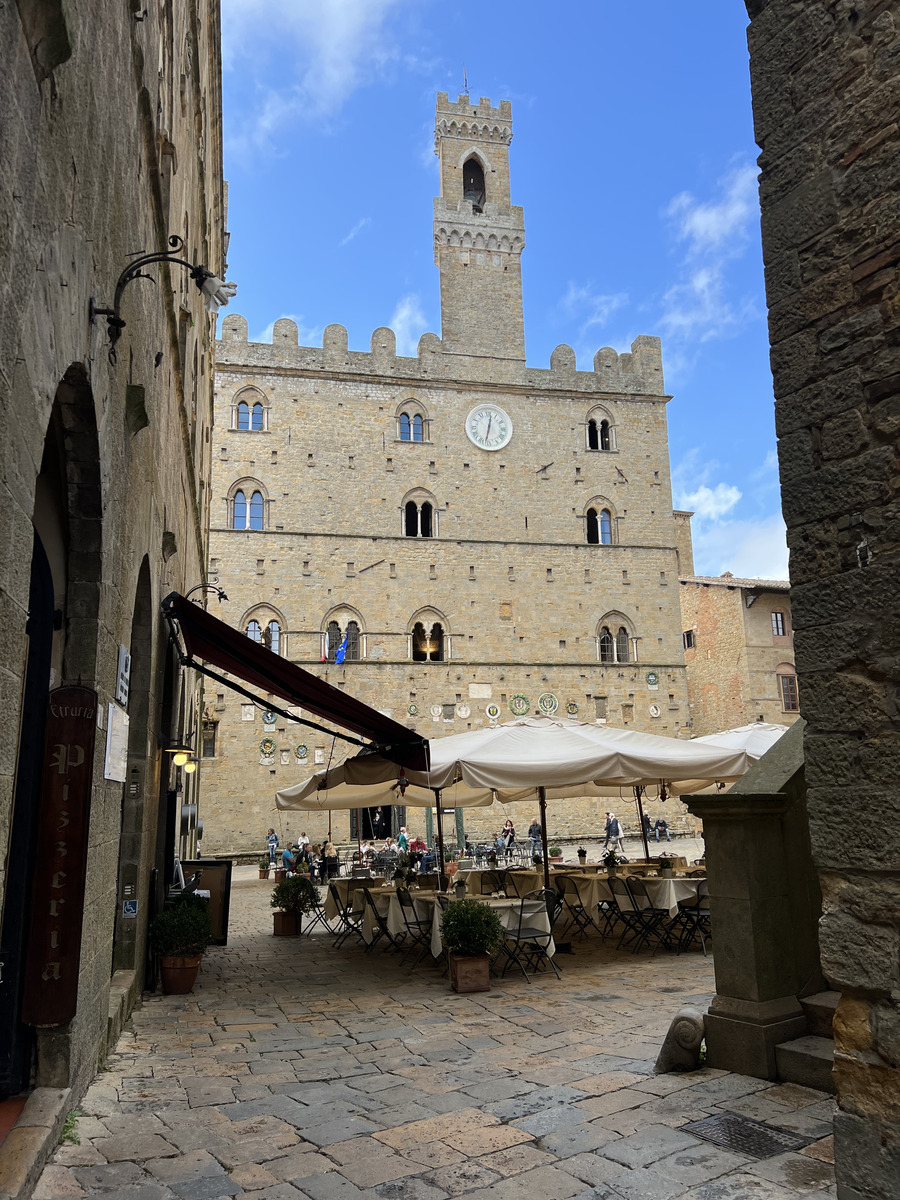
column 478, row 235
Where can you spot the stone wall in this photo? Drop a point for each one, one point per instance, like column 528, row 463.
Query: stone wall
column 824, row 79
column 111, row 140
column 733, row 663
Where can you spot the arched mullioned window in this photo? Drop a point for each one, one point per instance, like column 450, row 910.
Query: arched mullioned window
column 249, row 411
column 247, row 506
column 598, row 527
column 336, row 632
column 412, row 422
column 601, row 431
column 254, row 631
column 615, row 641
column 420, row 515
column 427, row 642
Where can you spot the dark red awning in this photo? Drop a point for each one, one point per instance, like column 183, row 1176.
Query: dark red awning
column 210, row 640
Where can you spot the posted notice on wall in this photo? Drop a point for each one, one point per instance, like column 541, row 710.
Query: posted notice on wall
column 116, row 744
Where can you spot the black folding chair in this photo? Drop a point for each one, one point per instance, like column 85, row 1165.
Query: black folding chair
column 350, row 922
column 655, row 922
column 694, row 920
column 626, row 911
column 577, row 915
column 515, row 884
column 417, row 930
column 491, row 881
column 317, row 917
column 527, row 945
column 381, row 929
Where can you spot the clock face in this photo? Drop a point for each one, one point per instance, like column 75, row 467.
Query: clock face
column 489, row 427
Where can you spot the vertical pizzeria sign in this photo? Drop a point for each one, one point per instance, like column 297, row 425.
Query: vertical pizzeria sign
column 57, row 896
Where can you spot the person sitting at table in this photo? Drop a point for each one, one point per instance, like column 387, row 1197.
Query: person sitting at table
column 417, row 849
column 366, row 851
column 288, row 862
column 330, row 860
column 390, row 846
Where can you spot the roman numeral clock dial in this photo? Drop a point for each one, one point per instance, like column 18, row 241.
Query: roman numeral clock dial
column 489, row 427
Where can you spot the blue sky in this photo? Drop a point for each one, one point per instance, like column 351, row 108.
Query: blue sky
column 633, row 157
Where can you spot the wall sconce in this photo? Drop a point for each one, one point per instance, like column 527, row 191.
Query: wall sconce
column 190, row 766
column 216, row 293
column 181, row 749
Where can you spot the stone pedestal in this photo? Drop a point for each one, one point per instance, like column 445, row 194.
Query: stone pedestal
column 764, row 903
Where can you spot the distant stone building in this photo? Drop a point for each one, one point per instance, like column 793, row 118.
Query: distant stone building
column 482, row 537
column 111, row 141
column 738, row 651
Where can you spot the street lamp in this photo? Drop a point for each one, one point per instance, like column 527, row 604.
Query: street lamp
column 216, row 293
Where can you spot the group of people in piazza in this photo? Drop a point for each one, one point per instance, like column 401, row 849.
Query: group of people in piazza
column 322, row 859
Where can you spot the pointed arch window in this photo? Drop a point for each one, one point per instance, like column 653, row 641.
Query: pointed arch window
column 349, row 637
column 473, row 184
column 592, row 527
column 257, row 511
column 257, row 417
column 333, row 637
column 254, row 631
column 605, row 443
column 607, row 646
column 243, row 415
column 622, row 645
column 601, row 432
column 418, row 428
column 605, row 527
column 271, row 637
column 405, row 434
column 239, row 511
column 593, row 435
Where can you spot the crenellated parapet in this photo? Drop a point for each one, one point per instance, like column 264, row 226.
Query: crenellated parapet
column 635, row 373
column 469, row 121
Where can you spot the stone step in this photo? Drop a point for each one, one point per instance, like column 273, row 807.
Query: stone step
column 819, row 1011
column 807, row 1061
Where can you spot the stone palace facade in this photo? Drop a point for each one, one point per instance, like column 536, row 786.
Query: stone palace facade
column 484, row 538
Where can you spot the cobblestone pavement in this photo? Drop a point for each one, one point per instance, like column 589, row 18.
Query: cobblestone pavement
column 295, row 1070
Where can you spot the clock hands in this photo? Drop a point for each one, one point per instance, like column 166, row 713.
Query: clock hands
column 487, row 432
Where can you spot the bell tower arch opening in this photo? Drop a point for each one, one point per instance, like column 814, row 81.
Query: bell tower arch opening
column 473, row 184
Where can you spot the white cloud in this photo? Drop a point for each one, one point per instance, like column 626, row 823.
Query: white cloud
column 408, row 323
column 334, row 47
column 697, row 306
column 308, row 335
column 751, row 549
column 588, row 307
column 357, row 228
column 710, row 503
column 711, row 224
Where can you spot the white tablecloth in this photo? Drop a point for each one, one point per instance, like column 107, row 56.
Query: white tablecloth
column 663, row 893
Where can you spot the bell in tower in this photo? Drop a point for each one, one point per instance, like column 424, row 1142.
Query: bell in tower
column 473, row 184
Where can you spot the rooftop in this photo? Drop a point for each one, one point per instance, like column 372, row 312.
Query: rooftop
column 733, row 581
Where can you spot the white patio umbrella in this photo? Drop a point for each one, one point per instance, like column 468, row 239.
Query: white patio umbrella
column 554, row 756
column 756, row 739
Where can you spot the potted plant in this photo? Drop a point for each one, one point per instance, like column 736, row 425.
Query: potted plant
column 179, row 935
column 472, row 933
column 611, row 861
column 264, row 867
column 665, row 865
column 280, row 873
column 555, row 853
column 582, row 855
column 536, row 860
column 291, row 898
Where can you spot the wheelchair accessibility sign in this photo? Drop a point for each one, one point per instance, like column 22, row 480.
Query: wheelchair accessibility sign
column 129, row 908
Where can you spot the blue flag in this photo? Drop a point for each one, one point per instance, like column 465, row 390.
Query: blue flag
column 341, row 651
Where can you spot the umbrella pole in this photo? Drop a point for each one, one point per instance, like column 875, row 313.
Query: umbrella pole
column 440, row 835
column 638, row 792
column 358, row 834
column 542, row 803
column 329, row 824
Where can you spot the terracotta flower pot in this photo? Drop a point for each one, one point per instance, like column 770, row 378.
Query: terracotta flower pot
column 179, row 973
column 279, row 874
column 470, row 972
column 264, row 874
column 286, row 924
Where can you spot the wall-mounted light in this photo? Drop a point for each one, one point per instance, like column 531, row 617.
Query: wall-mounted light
column 190, row 766
column 216, row 293
column 206, row 587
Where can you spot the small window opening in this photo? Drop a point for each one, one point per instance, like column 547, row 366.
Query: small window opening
column 605, row 442
column 418, row 428
column 405, row 428
column 593, row 435
column 257, row 417
column 593, row 527
column 427, row 646
column 243, row 415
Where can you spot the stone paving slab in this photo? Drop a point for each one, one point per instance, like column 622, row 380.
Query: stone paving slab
column 298, row 1072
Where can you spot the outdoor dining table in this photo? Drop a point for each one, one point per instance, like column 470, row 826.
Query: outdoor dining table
column 663, row 893
column 527, row 881
column 508, row 910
